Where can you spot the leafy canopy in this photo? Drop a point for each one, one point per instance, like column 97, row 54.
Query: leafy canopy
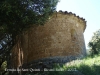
column 94, row 43
column 17, row 15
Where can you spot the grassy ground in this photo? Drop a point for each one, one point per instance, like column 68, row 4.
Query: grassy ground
column 86, row 66
column 91, row 66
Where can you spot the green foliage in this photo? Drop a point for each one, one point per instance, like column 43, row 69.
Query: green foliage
column 17, row 15
column 85, row 66
column 91, row 66
column 3, row 65
column 94, row 43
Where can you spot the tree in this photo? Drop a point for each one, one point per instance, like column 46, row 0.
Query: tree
column 94, row 43
column 19, row 15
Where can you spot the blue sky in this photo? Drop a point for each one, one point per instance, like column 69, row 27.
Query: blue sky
column 88, row 9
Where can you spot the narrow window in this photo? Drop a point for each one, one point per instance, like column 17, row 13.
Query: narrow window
column 73, row 34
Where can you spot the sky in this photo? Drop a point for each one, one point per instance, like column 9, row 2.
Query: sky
column 88, row 9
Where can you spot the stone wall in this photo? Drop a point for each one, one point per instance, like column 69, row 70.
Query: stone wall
column 50, row 62
column 62, row 35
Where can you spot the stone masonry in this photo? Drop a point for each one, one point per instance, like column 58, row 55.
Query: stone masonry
column 62, row 35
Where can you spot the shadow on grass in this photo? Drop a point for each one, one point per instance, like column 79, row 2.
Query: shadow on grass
column 81, row 70
column 89, row 70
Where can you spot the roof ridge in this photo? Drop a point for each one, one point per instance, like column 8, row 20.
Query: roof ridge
column 66, row 12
